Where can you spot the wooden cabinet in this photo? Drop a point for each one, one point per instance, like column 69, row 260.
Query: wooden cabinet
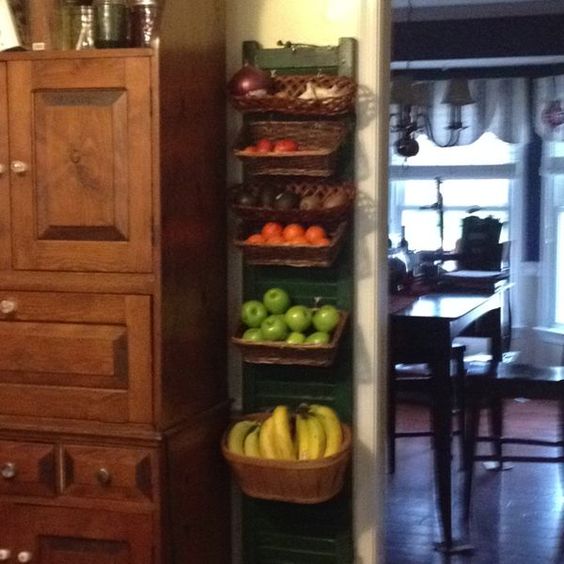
column 80, row 162
column 27, row 468
column 76, row 356
column 76, row 536
column 113, row 393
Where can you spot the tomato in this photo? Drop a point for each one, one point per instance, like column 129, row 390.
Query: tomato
column 271, row 228
column 250, row 149
column 263, row 146
column 285, row 146
column 292, row 231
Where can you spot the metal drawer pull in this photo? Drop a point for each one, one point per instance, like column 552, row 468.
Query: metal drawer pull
column 25, row 556
column 104, row 477
column 5, row 554
column 8, row 306
column 19, row 167
column 8, row 470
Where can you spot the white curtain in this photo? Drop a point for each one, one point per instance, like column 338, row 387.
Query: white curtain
column 500, row 107
column 548, row 104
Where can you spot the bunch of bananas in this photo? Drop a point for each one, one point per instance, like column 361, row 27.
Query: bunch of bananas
column 312, row 432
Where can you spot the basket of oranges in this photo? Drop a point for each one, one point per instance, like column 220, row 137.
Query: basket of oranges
column 292, row 244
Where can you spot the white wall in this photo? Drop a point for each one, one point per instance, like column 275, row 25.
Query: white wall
column 323, row 22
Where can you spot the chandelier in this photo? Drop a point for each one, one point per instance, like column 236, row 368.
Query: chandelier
column 411, row 116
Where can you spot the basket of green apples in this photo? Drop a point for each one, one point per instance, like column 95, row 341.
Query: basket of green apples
column 273, row 330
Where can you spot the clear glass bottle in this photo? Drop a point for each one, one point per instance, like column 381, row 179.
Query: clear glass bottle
column 143, row 22
column 111, row 17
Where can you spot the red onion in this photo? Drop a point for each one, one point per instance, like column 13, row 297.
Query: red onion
column 249, row 79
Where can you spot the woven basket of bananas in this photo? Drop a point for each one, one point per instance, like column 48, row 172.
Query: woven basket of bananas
column 296, row 457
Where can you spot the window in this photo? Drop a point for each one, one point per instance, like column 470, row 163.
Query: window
column 552, row 306
column 475, row 178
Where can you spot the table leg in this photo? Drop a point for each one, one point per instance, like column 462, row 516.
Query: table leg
column 442, row 436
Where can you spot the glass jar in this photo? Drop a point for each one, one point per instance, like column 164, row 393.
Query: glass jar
column 111, row 19
column 143, row 22
column 69, row 23
column 85, row 39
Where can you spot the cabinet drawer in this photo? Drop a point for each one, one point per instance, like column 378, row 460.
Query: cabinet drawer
column 72, row 356
column 108, row 472
column 27, row 469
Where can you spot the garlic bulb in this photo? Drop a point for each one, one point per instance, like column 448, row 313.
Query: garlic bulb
column 333, row 92
column 309, row 93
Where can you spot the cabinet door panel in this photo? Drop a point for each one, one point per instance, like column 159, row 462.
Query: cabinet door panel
column 82, row 128
column 76, row 356
column 5, row 242
column 57, row 535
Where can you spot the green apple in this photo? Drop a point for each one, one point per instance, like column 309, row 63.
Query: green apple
column 253, row 334
column 253, row 313
column 295, row 338
column 326, row 318
column 298, row 318
column 274, row 328
column 276, row 300
column 318, row 338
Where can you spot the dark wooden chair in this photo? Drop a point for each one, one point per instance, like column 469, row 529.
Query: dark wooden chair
column 412, row 383
column 508, row 381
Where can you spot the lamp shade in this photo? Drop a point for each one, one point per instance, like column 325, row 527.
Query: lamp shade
column 458, row 93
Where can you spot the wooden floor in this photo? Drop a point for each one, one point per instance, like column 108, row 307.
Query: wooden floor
column 518, row 514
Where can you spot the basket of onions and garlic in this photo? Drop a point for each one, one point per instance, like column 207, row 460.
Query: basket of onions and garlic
column 254, row 90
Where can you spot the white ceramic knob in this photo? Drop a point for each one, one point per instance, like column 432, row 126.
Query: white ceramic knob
column 5, row 554
column 25, row 556
column 8, row 470
column 19, row 167
column 7, row 306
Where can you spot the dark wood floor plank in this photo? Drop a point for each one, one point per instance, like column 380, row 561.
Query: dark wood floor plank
column 518, row 515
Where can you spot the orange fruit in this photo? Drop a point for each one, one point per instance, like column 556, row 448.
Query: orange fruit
column 299, row 240
column 315, row 232
column 321, row 242
column 276, row 240
column 271, row 228
column 293, row 230
column 255, row 239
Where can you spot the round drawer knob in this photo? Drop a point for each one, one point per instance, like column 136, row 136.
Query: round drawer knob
column 8, row 470
column 25, row 556
column 19, row 167
column 103, row 476
column 7, row 306
column 5, row 554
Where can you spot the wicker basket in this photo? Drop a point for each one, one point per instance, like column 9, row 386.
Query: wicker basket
column 302, row 189
column 280, row 352
column 292, row 255
column 319, row 142
column 288, row 88
column 306, row 481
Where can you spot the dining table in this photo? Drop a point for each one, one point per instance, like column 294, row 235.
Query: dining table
column 421, row 330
